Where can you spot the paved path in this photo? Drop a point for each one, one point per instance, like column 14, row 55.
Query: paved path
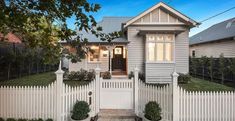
column 116, row 119
column 116, row 115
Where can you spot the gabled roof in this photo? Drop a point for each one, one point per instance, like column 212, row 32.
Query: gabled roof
column 10, row 37
column 161, row 4
column 109, row 25
column 219, row 31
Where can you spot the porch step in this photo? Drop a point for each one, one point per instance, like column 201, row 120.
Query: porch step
column 116, row 114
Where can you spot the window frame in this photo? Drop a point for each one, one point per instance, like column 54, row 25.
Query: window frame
column 164, row 48
column 89, row 54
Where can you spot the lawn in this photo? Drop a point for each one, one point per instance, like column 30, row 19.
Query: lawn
column 42, row 79
column 203, row 85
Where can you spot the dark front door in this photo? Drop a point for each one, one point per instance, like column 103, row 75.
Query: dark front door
column 118, row 62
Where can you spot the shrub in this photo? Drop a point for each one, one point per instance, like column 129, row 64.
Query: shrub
column 82, row 75
column 90, row 76
column 1, row 119
column 11, row 119
column 72, row 75
column 106, row 75
column 152, row 111
column 184, row 78
column 40, row 119
column 49, row 119
column 80, row 110
column 141, row 75
column 22, row 119
column 131, row 75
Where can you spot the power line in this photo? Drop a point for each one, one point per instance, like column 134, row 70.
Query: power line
column 217, row 14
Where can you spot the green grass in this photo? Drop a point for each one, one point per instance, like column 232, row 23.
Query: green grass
column 203, row 85
column 42, row 79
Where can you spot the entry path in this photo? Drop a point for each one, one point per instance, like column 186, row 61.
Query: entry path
column 116, row 115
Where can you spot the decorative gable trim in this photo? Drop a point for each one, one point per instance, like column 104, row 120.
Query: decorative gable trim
column 161, row 4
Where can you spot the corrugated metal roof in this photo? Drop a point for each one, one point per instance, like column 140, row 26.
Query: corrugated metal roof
column 109, row 25
column 222, row 30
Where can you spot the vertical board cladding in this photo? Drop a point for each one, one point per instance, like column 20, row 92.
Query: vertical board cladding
column 182, row 52
column 136, row 48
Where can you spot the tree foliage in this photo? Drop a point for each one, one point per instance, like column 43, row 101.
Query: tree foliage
column 42, row 24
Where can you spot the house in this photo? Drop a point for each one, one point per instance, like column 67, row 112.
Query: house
column 155, row 41
column 217, row 39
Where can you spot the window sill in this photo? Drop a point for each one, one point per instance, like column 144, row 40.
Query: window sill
column 161, row 62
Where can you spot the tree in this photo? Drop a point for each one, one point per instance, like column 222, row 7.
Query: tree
column 203, row 62
column 222, row 67
column 194, row 65
column 24, row 17
column 210, row 67
column 232, row 68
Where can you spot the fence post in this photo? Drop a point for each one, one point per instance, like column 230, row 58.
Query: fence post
column 59, row 81
column 136, row 88
column 175, row 92
column 97, row 90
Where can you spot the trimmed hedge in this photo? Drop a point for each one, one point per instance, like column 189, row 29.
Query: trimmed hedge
column 184, row 78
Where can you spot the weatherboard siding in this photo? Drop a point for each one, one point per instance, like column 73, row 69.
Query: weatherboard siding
column 135, row 50
column 181, row 52
column 214, row 49
column 154, row 71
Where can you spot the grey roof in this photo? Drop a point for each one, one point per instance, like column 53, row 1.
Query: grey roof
column 108, row 24
column 222, row 30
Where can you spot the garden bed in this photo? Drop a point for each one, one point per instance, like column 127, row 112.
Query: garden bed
column 197, row 84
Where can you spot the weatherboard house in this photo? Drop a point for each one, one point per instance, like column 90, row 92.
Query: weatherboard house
column 155, row 41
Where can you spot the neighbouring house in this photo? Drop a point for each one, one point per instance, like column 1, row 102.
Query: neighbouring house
column 155, row 41
column 218, row 39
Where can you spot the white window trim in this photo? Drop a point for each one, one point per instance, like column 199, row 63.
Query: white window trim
column 88, row 59
column 146, row 49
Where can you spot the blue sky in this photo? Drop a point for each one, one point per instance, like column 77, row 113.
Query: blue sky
column 195, row 9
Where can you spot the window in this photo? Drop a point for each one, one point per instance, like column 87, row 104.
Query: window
column 160, row 47
column 94, row 57
column 193, row 53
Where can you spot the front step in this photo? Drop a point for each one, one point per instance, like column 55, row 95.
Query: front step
column 116, row 115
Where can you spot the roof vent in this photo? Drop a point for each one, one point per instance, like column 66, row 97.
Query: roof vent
column 230, row 23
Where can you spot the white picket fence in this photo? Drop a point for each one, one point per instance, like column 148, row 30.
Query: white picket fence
column 73, row 93
column 40, row 101
column 206, row 106
column 27, row 102
column 160, row 94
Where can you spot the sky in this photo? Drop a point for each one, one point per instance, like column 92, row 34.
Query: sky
column 197, row 10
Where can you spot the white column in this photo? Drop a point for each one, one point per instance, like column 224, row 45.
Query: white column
column 97, row 90
column 175, row 92
column 59, row 81
column 136, row 88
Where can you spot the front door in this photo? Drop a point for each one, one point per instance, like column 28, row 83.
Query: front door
column 118, row 61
